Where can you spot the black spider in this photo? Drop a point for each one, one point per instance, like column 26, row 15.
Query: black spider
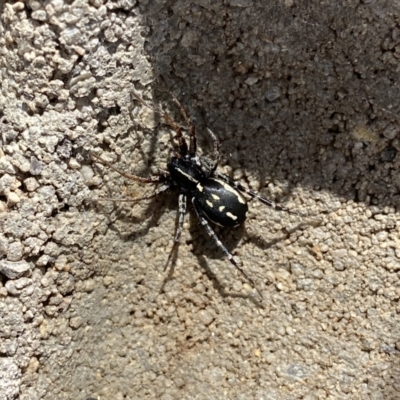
column 214, row 196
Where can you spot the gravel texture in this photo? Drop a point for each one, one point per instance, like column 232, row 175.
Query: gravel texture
column 304, row 97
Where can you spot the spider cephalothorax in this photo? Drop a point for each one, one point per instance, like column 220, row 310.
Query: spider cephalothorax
column 214, row 196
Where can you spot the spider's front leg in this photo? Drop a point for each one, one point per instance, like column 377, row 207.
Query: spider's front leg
column 183, row 147
column 191, row 127
column 211, row 165
column 217, row 155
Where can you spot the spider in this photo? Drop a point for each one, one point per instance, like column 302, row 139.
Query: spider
column 215, row 197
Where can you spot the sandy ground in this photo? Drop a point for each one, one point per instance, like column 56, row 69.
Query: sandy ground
column 304, row 97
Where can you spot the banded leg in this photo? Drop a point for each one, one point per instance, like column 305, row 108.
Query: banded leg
column 181, row 140
column 253, row 194
column 182, row 212
column 213, row 235
column 154, row 179
column 161, row 189
column 217, row 155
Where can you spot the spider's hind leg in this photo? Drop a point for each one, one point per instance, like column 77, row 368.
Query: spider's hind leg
column 213, row 235
column 182, row 212
column 252, row 193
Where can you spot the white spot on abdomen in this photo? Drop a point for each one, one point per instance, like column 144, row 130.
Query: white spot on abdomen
column 230, row 215
column 232, row 190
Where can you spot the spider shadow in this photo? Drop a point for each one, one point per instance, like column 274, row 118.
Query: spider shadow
column 263, row 244
column 139, row 133
column 160, row 95
column 230, row 238
column 197, row 232
column 155, row 208
column 222, row 290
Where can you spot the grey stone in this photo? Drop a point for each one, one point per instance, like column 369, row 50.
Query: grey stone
column 13, row 270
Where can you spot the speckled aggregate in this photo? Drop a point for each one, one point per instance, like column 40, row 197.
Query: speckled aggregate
column 305, row 101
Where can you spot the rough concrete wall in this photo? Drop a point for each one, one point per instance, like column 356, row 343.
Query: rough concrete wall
column 304, row 97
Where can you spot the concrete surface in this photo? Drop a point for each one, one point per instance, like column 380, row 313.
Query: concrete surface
column 304, row 96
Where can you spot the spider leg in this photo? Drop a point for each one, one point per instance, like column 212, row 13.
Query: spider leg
column 181, row 140
column 253, row 194
column 213, row 235
column 192, row 129
column 182, row 212
column 217, row 155
column 153, row 179
column 209, row 165
column 161, row 189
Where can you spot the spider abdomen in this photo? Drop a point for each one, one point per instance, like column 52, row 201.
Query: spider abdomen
column 220, row 202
